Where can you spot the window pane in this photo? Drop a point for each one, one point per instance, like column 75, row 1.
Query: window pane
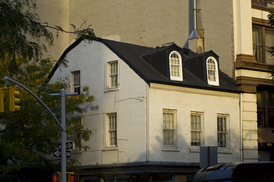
column 269, row 42
column 221, row 130
column 257, row 43
column 211, row 70
column 174, row 65
column 196, row 130
column 112, row 130
column 113, row 74
column 168, row 128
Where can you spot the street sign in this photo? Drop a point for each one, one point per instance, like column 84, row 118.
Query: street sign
column 57, row 153
column 75, row 135
column 69, row 145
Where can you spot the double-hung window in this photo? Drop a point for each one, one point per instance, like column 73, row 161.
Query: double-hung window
column 212, row 71
column 196, row 129
column 76, row 81
column 169, row 123
column 113, row 74
column 263, row 39
column 175, row 66
column 112, row 129
column 222, row 134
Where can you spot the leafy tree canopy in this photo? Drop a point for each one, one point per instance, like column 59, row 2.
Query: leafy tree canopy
column 21, row 32
column 29, row 135
column 271, row 22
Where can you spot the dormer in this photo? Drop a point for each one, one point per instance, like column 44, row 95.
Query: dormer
column 167, row 60
column 205, row 67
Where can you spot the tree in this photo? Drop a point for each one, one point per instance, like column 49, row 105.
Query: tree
column 22, row 32
column 28, row 135
column 271, row 22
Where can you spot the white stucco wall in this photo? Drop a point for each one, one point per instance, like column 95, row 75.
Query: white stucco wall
column 185, row 101
column 128, row 101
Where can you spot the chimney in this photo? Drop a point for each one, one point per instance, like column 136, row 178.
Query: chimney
column 196, row 38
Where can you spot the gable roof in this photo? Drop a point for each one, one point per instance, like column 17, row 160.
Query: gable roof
column 134, row 57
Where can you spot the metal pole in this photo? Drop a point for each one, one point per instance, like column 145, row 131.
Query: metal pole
column 63, row 139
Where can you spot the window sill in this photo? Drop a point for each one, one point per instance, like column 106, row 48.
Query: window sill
column 170, row 150
column 224, row 150
column 110, row 149
column 194, row 150
column 111, row 89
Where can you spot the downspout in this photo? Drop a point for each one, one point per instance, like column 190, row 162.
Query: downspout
column 147, row 122
column 241, row 127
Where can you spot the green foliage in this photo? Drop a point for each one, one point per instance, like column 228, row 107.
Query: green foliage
column 29, row 135
column 22, row 31
column 271, row 22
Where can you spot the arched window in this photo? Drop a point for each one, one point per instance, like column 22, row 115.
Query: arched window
column 212, row 71
column 175, row 66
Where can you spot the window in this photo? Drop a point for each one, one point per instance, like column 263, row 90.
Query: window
column 263, row 39
column 76, row 81
column 265, row 106
column 113, row 74
column 196, row 129
column 112, row 129
column 263, row 3
column 175, row 65
column 212, row 71
column 222, row 130
column 169, row 127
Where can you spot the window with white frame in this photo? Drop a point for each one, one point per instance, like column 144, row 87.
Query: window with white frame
column 222, row 133
column 212, row 71
column 196, row 129
column 112, row 129
column 175, row 66
column 112, row 74
column 76, row 81
column 169, row 125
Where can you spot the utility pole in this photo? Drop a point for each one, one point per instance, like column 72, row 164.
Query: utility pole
column 63, row 94
column 62, row 125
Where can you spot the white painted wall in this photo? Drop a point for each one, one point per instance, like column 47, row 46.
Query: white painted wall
column 134, row 125
column 185, row 101
column 129, row 102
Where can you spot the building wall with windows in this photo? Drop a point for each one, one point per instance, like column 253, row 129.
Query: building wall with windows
column 189, row 107
column 119, row 127
column 253, row 69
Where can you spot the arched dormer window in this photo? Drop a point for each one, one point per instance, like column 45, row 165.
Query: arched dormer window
column 212, row 71
column 175, row 66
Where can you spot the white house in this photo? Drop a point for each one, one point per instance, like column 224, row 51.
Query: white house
column 153, row 110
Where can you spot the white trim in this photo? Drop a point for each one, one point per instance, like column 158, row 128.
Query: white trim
column 108, row 87
column 227, row 147
column 216, row 82
column 175, row 140
column 180, row 77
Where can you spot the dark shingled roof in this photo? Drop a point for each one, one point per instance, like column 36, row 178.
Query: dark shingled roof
column 138, row 59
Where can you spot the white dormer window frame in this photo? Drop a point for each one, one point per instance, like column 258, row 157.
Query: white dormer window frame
column 212, row 71
column 175, row 66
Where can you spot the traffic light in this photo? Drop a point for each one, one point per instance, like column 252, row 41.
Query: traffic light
column 1, row 101
column 13, row 100
column 56, row 177
column 73, row 177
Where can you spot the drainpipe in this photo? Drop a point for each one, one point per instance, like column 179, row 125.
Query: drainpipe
column 241, row 128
